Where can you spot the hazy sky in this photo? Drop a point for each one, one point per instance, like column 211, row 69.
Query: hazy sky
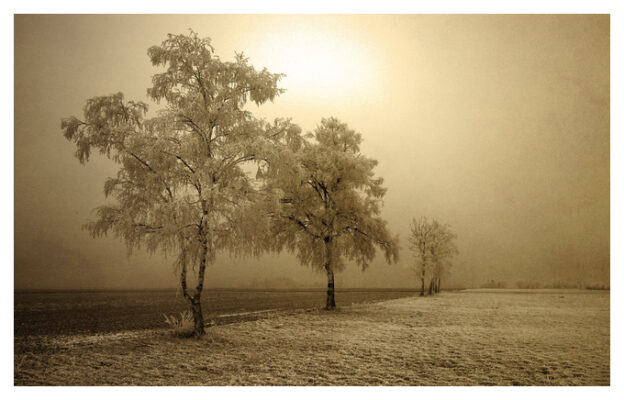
column 497, row 125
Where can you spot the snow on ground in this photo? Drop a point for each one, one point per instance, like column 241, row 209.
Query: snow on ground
column 461, row 338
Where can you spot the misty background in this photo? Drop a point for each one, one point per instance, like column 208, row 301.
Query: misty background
column 497, row 125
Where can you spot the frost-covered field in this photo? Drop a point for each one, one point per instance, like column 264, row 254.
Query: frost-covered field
column 463, row 338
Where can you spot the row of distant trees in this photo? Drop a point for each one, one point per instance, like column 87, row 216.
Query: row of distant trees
column 183, row 185
column 433, row 245
column 531, row 284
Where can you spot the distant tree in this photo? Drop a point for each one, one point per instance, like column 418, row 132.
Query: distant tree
column 181, row 187
column 433, row 245
column 442, row 249
column 420, row 240
column 324, row 201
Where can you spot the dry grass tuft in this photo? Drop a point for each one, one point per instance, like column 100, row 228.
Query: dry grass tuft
column 183, row 327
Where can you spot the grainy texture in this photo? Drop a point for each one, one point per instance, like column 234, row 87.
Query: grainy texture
column 466, row 338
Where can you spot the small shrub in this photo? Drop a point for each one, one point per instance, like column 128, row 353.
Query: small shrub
column 183, row 327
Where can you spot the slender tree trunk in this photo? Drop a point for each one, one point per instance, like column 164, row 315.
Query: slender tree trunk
column 438, row 285
column 330, row 302
column 195, row 300
column 431, row 287
column 422, row 280
column 198, row 317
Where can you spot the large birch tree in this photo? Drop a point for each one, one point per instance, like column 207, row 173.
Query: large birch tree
column 181, row 186
column 325, row 202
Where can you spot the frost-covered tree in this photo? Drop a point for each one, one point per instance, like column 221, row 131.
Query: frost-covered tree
column 433, row 245
column 181, row 186
column 421, row 237
column 443, row 248
column 324, row 201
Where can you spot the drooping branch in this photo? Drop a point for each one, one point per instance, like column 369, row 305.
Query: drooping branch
column 186, row 164
column 301, row 224
column 148, row 228
column 149, row 167
column 373, row 238
column 194, row 127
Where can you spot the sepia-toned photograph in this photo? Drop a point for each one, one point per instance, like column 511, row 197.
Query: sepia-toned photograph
column 312, row 200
